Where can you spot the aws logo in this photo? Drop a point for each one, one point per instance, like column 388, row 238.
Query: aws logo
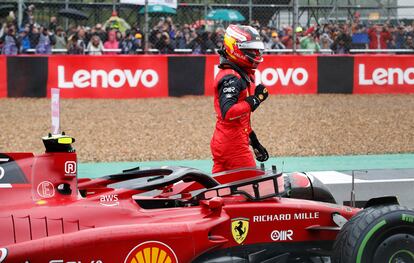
column 151, row 252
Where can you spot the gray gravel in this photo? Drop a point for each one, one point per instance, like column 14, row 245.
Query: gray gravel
column 181, row 128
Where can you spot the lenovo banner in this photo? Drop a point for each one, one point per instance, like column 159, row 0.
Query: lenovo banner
column 383, row 74
column 3, row 77
column 281, row 74
column 108, row 76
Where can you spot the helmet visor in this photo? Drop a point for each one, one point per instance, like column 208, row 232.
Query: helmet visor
column 254, row 55
column 251, row 45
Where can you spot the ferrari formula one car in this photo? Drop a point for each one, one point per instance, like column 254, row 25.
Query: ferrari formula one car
column 179, row 214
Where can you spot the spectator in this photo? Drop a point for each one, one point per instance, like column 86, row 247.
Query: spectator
column 111, row 43
column 268, row 43
column 169, row 27
column 95, row 46
column 100, row 32
column 188, row 38
column 128, row 45
column 28, row 15
column 180, row 41
column 10, row 42
column 325, row 41
column 164, row 44
column 264, row 35
column 391, row 44
column 356, row 24
column 276, row 43
column 202, row 43
column 310, row 41
column 219, row 37
column 195, row 36
column 299, row 34
column 60, row 37
column 73, row 46
column 154, row 37
column 342, row 43
column 45, row 42
column 409, row 43
column 24, row 40
column 11, row 21
column 53, row 24
column 34, row 35
column 119, row 36
column 399, row 37
column 82, row 42
column 72, row 30
column 287, row 39
column 138, row 41
column 409, row 31
column 378, row 37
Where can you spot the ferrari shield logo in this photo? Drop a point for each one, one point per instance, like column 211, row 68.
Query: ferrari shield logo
column 239, row 229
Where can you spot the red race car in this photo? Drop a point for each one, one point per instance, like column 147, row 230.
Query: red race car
column 180, row 214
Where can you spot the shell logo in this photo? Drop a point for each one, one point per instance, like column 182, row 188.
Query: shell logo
column 151, row 252
column 3, row 254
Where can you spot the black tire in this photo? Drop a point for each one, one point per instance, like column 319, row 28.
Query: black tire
column 382, row 234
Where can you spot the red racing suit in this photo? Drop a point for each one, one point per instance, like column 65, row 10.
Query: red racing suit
column 230, row 142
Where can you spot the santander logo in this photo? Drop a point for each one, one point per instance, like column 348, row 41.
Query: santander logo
column 386, row 76
column 99, row 78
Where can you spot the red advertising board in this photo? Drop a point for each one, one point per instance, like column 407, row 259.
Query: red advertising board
column 383, row 74
column 108, row 76
column 281, row 74
column 3, row 77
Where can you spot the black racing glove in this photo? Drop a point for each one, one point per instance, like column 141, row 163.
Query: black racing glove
column 260, row 95
column 259, row 151
column 261, row 92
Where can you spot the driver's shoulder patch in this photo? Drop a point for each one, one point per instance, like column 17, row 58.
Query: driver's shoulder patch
column 229, row 84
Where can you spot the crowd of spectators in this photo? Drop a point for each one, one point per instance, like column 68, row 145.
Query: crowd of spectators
column 113, row 37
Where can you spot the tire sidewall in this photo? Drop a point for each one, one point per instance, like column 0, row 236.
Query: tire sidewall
column 389, row 224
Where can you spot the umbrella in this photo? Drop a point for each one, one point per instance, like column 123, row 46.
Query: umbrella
column 73, row 13
column 158, row 9
column 225, row 15
column 5, row 9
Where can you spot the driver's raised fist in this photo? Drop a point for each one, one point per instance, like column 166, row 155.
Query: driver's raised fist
column 261, row 92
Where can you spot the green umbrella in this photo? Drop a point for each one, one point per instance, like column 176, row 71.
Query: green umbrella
column 159, row 9
column 225, row 15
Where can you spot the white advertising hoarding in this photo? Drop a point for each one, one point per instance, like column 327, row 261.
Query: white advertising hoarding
column 170, row 3
column 405, row 9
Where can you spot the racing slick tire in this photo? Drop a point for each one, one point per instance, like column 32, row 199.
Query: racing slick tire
column 380, row 234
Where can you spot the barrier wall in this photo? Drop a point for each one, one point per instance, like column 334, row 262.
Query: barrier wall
column 147, row 76
column 3, row 78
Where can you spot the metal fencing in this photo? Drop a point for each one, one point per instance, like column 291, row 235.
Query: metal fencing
column 267, row 15
column 274, row 13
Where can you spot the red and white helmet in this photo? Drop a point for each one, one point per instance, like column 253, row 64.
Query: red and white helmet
column 243, row 46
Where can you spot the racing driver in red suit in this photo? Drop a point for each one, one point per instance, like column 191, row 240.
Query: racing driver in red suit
column 235, row 97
